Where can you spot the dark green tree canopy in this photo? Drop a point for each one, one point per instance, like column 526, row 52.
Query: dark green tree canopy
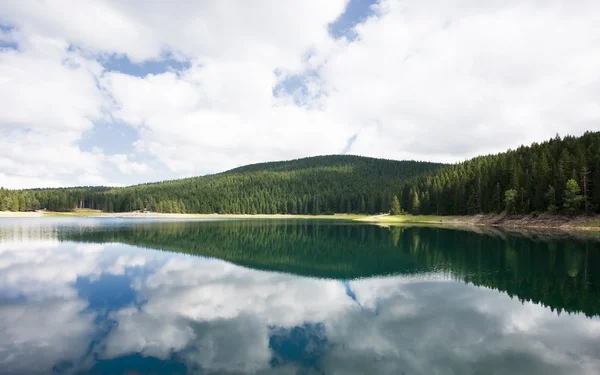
column 316, row 185
column 561, row 174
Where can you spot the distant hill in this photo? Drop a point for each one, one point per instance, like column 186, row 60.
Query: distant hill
column 315, row 185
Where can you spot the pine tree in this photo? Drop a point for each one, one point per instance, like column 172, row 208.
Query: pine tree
column 363, row 205
column 416, row 203
column 395, row 206
column 109, row 206
column 497, row 199
column 551, row 199
column 510, row 200
column 585, row 180
column 573, row 198
column 14, row 204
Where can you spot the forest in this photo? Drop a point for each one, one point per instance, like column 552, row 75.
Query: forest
column 561, row 175
column 315, row 185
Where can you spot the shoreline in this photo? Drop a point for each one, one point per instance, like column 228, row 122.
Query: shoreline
column 158, row 215
column 525, row 221
column 533, row 221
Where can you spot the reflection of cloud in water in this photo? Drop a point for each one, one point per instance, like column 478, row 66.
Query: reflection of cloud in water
column 443, row 331
column 36, row 336
column 216, row 317
column 304, row 345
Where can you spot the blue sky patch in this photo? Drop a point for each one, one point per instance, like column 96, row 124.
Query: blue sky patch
column 357, row 11
column 6, row 44
column 349, row 143
column 296, row 85
column 112, row 138
column 122, row 64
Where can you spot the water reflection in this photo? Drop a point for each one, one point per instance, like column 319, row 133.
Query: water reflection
column 103, row 306
column 558, row 271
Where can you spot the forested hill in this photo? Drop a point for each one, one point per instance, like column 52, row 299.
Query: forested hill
column 315, row 185
column 559, row 175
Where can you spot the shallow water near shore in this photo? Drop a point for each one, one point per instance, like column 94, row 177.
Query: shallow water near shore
column 121, row 296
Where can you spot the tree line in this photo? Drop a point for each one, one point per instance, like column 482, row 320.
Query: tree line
column 559, row 175
column 316, row 185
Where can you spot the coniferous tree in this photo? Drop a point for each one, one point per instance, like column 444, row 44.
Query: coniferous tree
column 14, row 204
column 573, row 197
column 510, row 200
column 395, row 206
column 550, row 197
column 585, row 173
column 530, row 171
column 415, row 203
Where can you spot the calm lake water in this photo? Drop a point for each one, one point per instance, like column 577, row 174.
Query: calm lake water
column 117, row 296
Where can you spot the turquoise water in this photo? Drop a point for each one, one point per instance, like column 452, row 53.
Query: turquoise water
column 117, row 296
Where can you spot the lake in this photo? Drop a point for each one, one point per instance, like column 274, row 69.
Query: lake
column 137, row 296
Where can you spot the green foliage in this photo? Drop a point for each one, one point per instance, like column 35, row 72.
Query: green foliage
column 316, row 185
column 573, row 197
column 550, row 197
column 395, row 206
column 415, row 204
column 536, row 174
column 510, row 199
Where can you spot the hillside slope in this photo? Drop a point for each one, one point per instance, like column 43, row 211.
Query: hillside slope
column 315, row 185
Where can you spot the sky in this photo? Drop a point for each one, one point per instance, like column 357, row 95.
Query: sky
column 118, row 92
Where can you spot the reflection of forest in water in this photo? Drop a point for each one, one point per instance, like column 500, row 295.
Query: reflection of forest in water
column 558, row 271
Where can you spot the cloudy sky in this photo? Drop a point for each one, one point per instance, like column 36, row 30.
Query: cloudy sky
column 120, row 92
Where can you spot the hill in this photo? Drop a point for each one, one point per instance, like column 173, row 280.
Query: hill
column 315, row 185
column 558, row 175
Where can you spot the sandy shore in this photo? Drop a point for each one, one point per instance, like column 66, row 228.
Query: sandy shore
column 157, row 215
column 19, row 214
column 541, row 221
column 227, row 216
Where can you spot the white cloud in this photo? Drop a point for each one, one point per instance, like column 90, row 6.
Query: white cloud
column 422, row 80
column 267, row 30
column 445, row 81
column 49, row 97
column 218, row 116
column 127, row 166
